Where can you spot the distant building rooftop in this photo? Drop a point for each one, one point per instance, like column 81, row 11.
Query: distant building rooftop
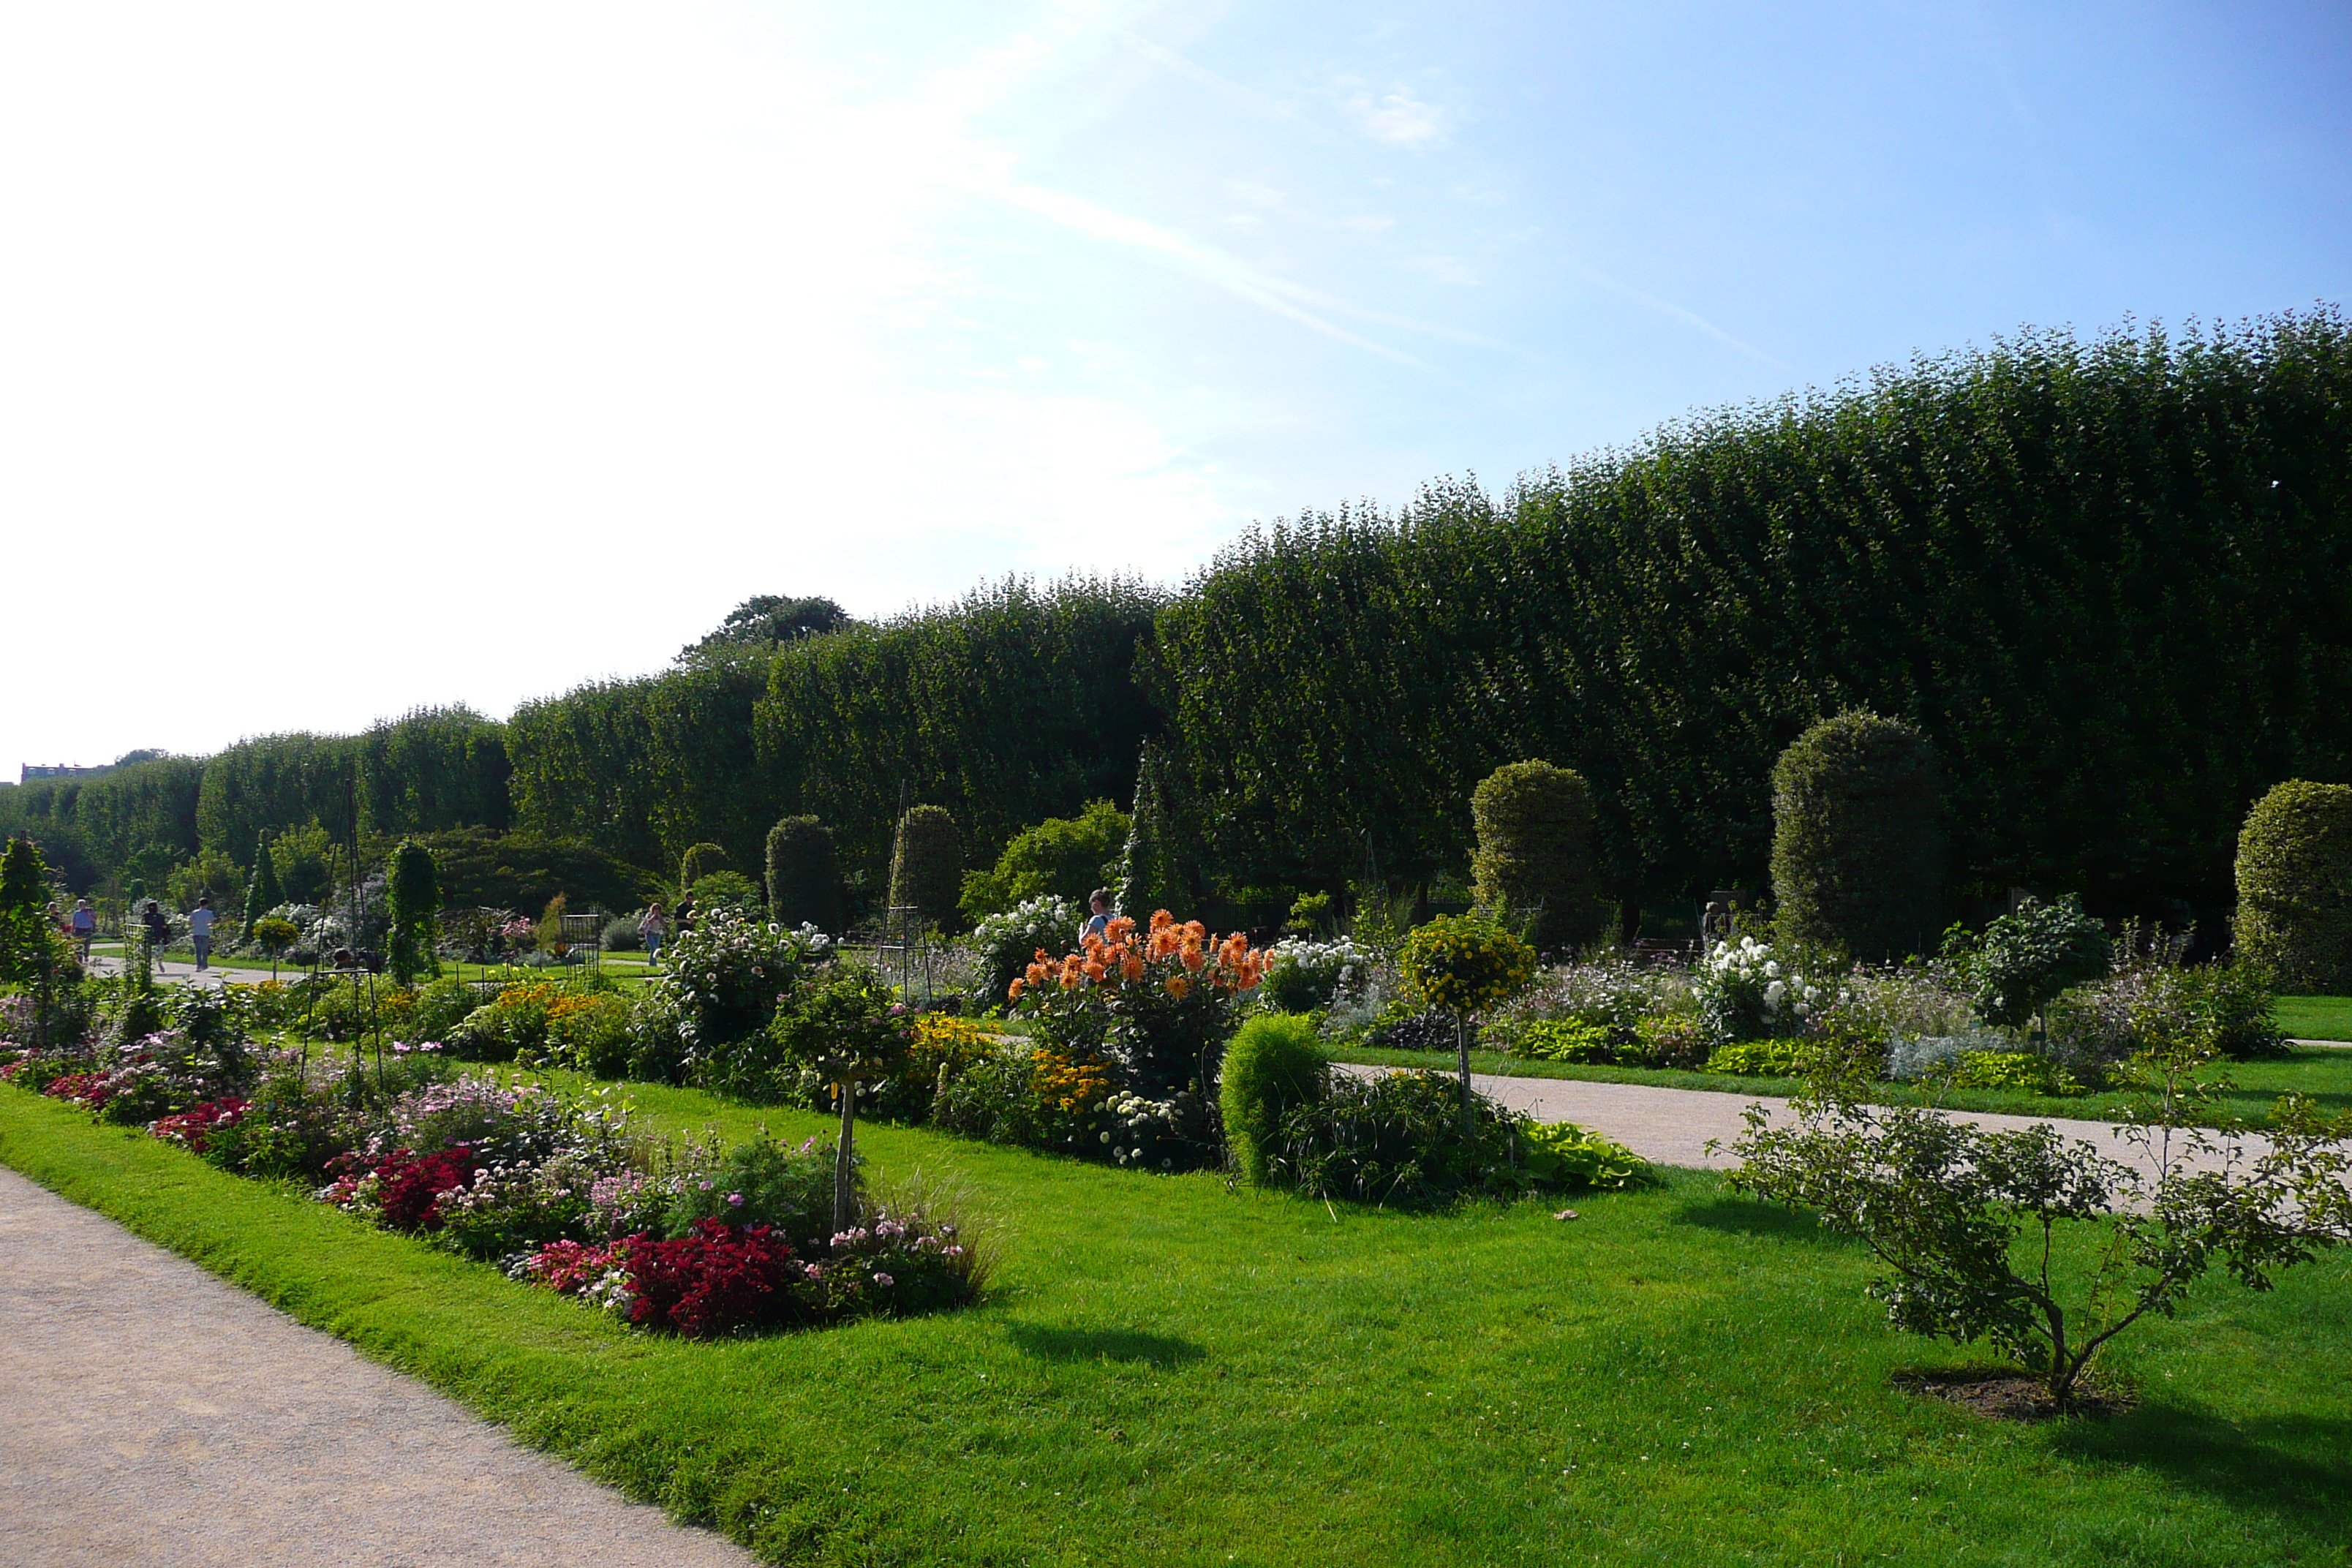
column 35, row 771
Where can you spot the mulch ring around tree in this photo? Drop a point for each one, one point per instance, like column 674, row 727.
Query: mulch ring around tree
column 2003, row 1393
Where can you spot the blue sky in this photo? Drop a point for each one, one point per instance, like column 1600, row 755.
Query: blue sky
column 558, row 329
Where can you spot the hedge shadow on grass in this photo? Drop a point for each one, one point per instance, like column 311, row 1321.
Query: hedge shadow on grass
column 2298, row 1468
column 1133, row 1345
column 1745, row 1216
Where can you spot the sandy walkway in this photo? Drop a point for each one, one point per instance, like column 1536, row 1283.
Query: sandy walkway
column 1672, row 1126
column 150, row 1413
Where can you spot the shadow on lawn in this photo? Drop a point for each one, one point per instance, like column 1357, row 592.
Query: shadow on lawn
column 1745, row 1216
column 1104, row 1344
column 2298, row 1468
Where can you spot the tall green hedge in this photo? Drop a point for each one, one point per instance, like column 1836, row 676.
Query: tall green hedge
column 2111, row 582
column 2294, row 886
column 804, row 874
column 1535, row 851
column 1857, row 843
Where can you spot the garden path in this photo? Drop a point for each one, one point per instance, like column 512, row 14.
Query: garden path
column 153, row 1413
column 1674, row 1126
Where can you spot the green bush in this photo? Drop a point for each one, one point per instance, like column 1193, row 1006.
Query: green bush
column 726, row 890
column 415, row 893
column 804, row 874
column 1063, row 856
column 926, row 864
column 1759, row 1058
column 1272, row 1066
column 2026, row 958
column 2021, row 1071
column 1535, row 851
column 1568, row 1156
column 1564, row 1040
column 2294, row 887
column 1399, row 1140
column 699, row 861
column 1857, row 852
column 761, row 1183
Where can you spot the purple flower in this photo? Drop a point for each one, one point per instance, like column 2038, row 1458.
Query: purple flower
column 735, row 1198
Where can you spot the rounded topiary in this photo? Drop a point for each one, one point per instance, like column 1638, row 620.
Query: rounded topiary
column 1535, row 851
column 926, row 864
column 2294, row 887
column 699, row 861
column 1857, row 851
column 804, row 874
column 1272, row 1066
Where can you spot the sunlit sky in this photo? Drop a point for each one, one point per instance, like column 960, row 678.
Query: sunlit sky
column 360, row 357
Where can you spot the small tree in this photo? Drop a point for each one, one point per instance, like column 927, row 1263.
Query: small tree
column 926, row 863
column 414, row 893
column 851, row 1027
column 1535, row 851
column 1148, row 877
column 27, row 943
column 1857, row 851
column 2026, row 958
column 1968, row 1224
column 276, row 934
column 2294, row 886
column 1466, row 965
column 804, row 874
column 261, row 890
column 550, row 926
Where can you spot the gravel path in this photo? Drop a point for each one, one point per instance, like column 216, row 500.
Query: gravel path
column 1673, row 1126
column 152, row 1414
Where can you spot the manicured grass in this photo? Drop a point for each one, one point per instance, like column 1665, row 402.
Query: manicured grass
column 2254, row 1087
column 2316, row 1017
column 1173, row 1371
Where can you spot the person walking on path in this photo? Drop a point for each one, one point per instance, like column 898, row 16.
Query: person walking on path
column 159, row 929
column 199, row 931
column 653, row 928
column 84, row 925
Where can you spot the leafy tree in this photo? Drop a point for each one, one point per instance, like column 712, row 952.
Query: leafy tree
column 769, row 621
column 2294, row 886
column 2026, row 958
column 1062, row 857
column 852, row 1028
column 804, row 874
column 1857, row 854
column 1535, row 851
column 927, row 867
column 699, row 861
column 415, row 891
column 1466, row 964
column 1149, row 877
column 210, row 873
column 24, row 877
column 261, row 890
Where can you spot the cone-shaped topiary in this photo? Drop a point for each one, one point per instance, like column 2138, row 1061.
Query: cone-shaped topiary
column 926, row 864
column 24, row 876
column 2294, row 887
column 414, row 892
column 261, row 892
column 1535, row 851
column 804, row 876
column 1272, row 1066
column 1149, row 879
column 1857, row 849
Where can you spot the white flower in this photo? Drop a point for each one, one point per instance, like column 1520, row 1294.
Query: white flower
column 1774, row 993
column 1773, row 969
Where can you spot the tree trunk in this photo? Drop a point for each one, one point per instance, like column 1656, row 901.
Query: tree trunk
column 1462, row 1053
column 844, row 1160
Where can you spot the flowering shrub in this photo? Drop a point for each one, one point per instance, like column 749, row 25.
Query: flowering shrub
column 192, row 1129
column 1397, row 1139
column 509, row 1207
column 717, row 1280
column 402, row 1189
column 724, row 978
column 1744, row 995
column 286, row 1130
column 1178, row 1133
column 88, row 1090
column 510, row 1025
column 1007, row 942
column 1166, row 998
column 1466, row 964
column 1305, row 976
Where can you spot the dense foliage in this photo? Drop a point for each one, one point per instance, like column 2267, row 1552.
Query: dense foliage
column 804, row 874
column 1063, row 856
column 1857, row 852
column 1535, row 851
column 2294, row 886
column 926, row 864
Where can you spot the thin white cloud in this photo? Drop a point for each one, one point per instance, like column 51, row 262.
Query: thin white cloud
column 1668, row 307
column 1396, row 118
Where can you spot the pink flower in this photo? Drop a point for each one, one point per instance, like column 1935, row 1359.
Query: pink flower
column 735, row 1198
column 883, row 1280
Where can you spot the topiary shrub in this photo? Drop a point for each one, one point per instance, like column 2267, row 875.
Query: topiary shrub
column 1149, row 879
column 1535, row 851
column 699, row 861
column 926, row 864
column 804, row 874
column 415, row 893
column 2294, row 887
column 1857, row 852
column 1272, row 1067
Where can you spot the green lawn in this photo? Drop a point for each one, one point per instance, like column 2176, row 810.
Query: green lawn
column 2317, row 1018
column 2254, row 1087
column 1173, row 1371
